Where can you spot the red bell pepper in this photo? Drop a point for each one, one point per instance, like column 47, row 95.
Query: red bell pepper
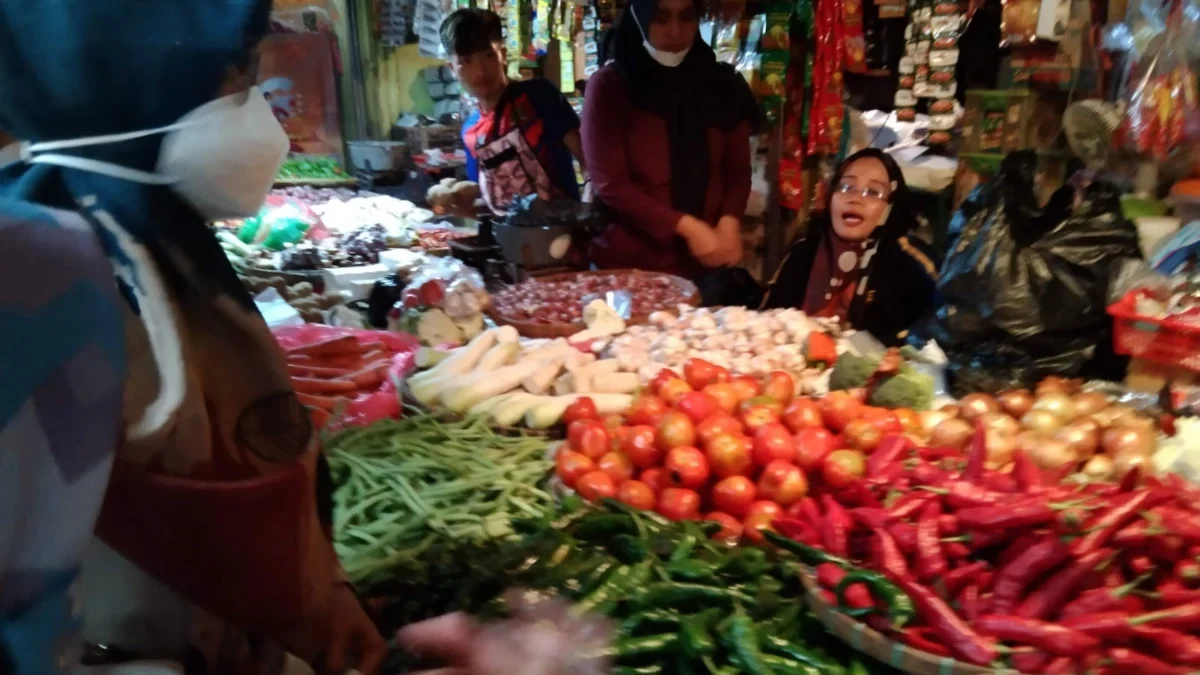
column 820, row 348
column 1055, row 639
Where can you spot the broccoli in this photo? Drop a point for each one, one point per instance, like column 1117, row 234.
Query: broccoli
column 909, row 388
column 852, row 371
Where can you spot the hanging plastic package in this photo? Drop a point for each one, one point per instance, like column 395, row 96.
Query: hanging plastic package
column 1024, row 288
column 1164, row 111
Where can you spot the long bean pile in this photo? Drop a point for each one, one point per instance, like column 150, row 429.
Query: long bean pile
column 403, row 484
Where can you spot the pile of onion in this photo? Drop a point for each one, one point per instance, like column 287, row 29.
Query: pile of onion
column 1058, row 425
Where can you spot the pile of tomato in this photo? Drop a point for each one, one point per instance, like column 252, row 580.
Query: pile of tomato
column 736, row 450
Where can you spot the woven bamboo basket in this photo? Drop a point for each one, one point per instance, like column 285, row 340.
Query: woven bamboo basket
column 557, row 330
column 871, row 642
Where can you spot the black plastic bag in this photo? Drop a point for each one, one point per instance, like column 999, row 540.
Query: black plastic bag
column 533, row 211
column 729, row 287
column 1024, row 288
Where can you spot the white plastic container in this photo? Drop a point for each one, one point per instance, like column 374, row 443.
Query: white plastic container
column 1154, row 229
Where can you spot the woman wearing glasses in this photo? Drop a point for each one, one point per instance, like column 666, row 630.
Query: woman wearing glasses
column 855, row 261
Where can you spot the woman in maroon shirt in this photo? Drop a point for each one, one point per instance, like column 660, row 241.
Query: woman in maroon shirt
column 666, row 134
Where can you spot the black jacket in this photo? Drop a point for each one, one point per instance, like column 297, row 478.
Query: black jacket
column 901, row 287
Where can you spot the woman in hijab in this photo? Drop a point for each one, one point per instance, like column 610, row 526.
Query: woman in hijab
column 856, row 262
column 666, row 132
column 143, row 398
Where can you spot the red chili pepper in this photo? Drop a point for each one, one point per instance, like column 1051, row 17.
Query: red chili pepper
column 794, row 528
column 961, row 495
column 985, row 581
column 1000, row 482
column 1029, row 476
column 1177, row 521
column 860, row 494
column 1049, row 637
column 954, row 580
column 948, row 525
column 828, row 596
column 1046, row 599
column 836, row 530
column 962, row 641
column 1098, row 600
column 1122, row 661
column 1023, row 514
column 976, row 455
column 1134, row 535
column 1174, row 646
column 1131, row 479
column 956, row 550
column 1104, row 625
column 1033, row 563
column 1188, row 571
column 968, row 602
column 891, row 449
column 1108, row 524
column 917, row 638
column 905, row 536
column 1031, row 661
column 984, row 540
column 928, row 474
column 1167, row 549
column 931, row 562
column 1173, row 593
column 908, row 506
column 857, row 596
column 870, row 518
column 888, row 555
column 1060, row 666
column 1016, row 548
column 1185, row 618
column 1141, row 565
column 829, row 575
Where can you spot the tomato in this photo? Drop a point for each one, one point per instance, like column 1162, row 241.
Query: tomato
column 803, row 413
column 655, row 478
column 731, row 528
column 594, row 440
column 673, row 390
column 595, row 486
column 883, row 419
column 616, row 437
column 725, row 396
column 862, row 435
column 734, row 495
column 679, row 503
column 697, row 405
column 646, row 409
column 675, row 430
column 717, row 424
column 686, row 467
column 700, row 373
column 764, row 401
column 780, row 386
column 838, row 408
column 783, row 483
column 636, row 494
column 753, row 526
column 582, row 408
column 773, row 442
column 570, row 465
column 612, row 422
column 663, row 376
column 813, row 444
column 728, row 456
column 617, row 466
column 765, row 507
column 842, row 467
column 909, row 419
column 745, row 386
column 640, row 448
column 756, row 416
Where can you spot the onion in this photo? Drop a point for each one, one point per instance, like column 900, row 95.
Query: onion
column 951, row 409
column 953, row 433
column 1042, row 421
column 1028, row 441
column 1089, row 402
column 1051, row 454
column 1118, row 441
column 1059, row 405
column 1099, row 467
column 1123, row 464
column 1052, row 384
column 1136, row 421
column 1107, row 417
column 1016, row 402
column 975, row 406
column 930, row 419
column 1001, row 442
column 998, row 420
column 1086, row 423
column 1082, row 439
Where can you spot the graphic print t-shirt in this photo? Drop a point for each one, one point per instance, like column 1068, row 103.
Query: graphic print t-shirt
column 544, row 117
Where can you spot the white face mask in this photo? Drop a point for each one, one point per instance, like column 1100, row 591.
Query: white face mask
column 221, row 157
column 668, row 59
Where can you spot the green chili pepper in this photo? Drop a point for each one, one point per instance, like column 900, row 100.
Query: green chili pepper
column 674, row 594
column 746, row 563
column 628, row 549
column 778, row 646
column 694, row 633
column 782, row 666
column 741, row 639
column 649, row 644
column 692, row 570
column 658, row 618
column 638, row 670
column 596, row 577
column 810, row 555
column 683, row 550
column 604, row 526
column 900, row 607
column 857, row 667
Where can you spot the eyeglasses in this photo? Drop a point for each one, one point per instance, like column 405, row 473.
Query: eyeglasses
column 866, row 193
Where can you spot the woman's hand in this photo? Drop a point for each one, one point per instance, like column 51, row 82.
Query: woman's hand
column 352, row 641
column 447, row 638
column 703, row 241
column 729, row 232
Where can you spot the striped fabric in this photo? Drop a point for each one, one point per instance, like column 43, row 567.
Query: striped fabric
column 62, row 366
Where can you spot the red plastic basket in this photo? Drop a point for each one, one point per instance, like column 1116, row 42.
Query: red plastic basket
column 1167, row 341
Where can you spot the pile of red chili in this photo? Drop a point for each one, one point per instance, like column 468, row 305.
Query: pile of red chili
column 1020, row 567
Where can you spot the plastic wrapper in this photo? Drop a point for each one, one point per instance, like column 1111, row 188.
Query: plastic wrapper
column 1024, row 288
column 447, row 284
column 279, row 223
column 1164, row 111
column 1018, row 22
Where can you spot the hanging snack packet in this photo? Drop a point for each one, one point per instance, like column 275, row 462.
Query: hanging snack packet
column 1164, row 113
column 728, row 44
column 855, row 41
column 778, row 27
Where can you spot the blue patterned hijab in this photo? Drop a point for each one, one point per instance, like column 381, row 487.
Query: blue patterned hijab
column 77, row 68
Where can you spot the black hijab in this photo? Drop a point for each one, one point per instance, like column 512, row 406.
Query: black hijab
column 698, row 95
